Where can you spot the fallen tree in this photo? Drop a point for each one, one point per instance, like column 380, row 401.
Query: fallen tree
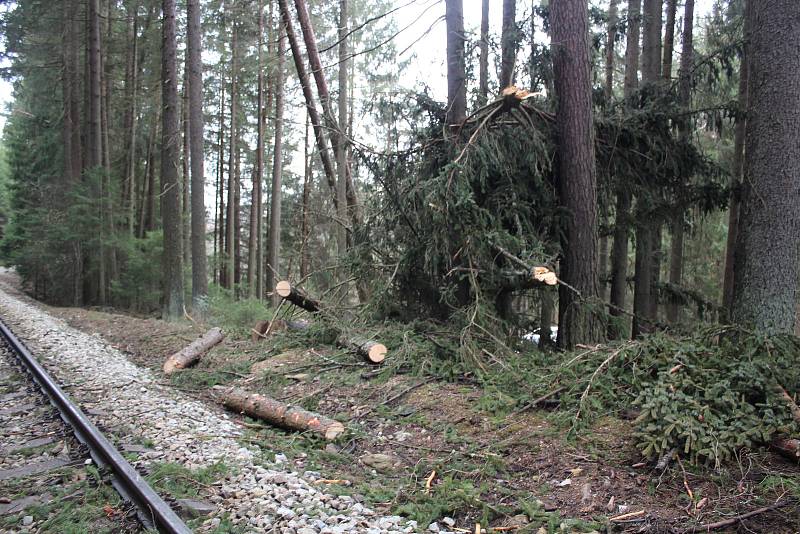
column 296, row 296
column 190, row 354
column 278, row 413
column 371, row 351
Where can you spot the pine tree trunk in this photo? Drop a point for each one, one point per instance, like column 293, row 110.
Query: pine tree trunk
column 619, row 252
column 508, row 43
column 133, row 82
column 186, row 226
column 341, row 156
column 608, row 91
column 456, row 67
column 170, row 154
column 669, row 39
column 219, row 261
column 230, row 217
column 684, row 95
column 736, row 178
column 198, row 212
column 305, row 257
column 273, row 269
column 768, row 243
column 483, row 60
column 254, row 240
column 576, row 172
column 319, row 133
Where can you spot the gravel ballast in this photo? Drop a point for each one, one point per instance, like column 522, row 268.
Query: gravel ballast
column 128, row 401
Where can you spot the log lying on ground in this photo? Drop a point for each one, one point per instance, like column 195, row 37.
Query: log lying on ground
column 372, row 351
column 296, row 296
column 278, row 413
column 787, row 447
column 191, row 354
column 263, row 329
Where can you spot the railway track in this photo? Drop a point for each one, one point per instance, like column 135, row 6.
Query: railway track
column 47, row 444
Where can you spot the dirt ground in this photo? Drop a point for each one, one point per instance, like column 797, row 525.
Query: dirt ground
column 446, row 455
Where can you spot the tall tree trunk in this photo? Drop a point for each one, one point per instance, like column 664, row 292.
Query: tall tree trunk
column 608, row 91
column 170, row 154
column 736, row 177
column 95, row 129
column 619, row 252
column 669, row 39
column 274, row 245
column 456, row 67
column 194, row 36
column 254, row 242
column 644, row 297
column 220, row 261
column 483, row 60
column 185, row 165
column 508, row 43
column 684, row 95
column 576, row 172
column 133, row 79
column 768, row 243
column 319, row 133
column 237, row 218
column 341, row 156
column 230, row 217
column 338, row 139
column 305, row 257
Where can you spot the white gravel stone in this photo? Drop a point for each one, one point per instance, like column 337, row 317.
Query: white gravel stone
column 130, row 401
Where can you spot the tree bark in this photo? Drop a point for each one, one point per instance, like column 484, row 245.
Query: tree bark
column 186, row 201
column 576, row 172
column 508, row 43
column 230, row 217
column 319, row 133
column 254, row 239
column 278, row 413
column 611, row 38
column 341, row 154
column 296, row 296
column 456, row 67
column 483, row 59
column 684, row 96
column 736, row 178
column 371, row 351
column 305, row 256
column 669, row 39
column 192, row 353
column 170, row 153
column 768, row 243
column 274, row 245
column 619, row 252
column 198, row 223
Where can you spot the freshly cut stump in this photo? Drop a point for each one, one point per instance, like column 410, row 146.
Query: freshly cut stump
column 296, row 296
column 372, row 351
column 191, row 354
column 278, row 413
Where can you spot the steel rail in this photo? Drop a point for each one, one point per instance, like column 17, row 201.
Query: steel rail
column 152, row 509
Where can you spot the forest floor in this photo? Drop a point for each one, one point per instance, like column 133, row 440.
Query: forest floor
column 441, row 452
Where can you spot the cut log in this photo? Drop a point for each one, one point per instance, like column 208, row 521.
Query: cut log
column 793, row 408
column 262, row 329
column 787, row 447
column 192, row 353
column 296, row 296
column 372, row 351
column 278, row 413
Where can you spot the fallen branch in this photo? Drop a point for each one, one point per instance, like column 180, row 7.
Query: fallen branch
column 371, row 351
column 189, row 355
column 263, row 329
column 736, row 519
column 296, row 296
column 630, row 515
column 278, row 413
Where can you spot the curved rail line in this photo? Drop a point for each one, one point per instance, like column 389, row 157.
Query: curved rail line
column 153, row 511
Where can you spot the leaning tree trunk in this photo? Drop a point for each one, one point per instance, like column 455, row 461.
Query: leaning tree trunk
column 456, row 67
column 768, row 245
column 170, row 188
column 198, row 222
column 508, row 43
column 577, row 185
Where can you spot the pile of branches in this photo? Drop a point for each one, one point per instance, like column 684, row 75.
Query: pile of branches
column 455, row 198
